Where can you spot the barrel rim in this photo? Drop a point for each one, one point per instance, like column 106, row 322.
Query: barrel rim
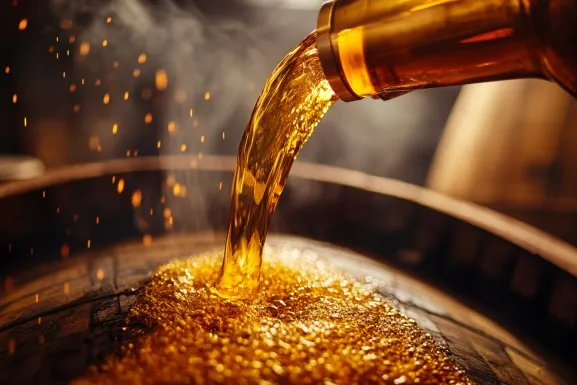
column 536, row 241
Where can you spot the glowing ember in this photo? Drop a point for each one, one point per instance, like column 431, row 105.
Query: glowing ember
column 84, row 48
column 120, row 186
column 23, row 24
column 171, row 127
column 136, row 198
column 161, row 80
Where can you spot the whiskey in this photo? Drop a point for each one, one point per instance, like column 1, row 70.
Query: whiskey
column 295, row 98
column 308, row 324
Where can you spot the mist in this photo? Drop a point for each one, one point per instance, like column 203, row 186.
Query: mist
column 199, row 70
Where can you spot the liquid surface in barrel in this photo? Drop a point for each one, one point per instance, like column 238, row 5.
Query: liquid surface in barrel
column 309, row 324
column 295, row 98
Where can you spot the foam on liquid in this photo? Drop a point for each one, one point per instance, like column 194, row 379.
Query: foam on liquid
column 309, row 324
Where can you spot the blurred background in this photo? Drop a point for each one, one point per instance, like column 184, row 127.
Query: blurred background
column 87, row 81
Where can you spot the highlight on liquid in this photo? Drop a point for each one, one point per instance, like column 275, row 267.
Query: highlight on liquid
column 309, row 324
column 295, row 98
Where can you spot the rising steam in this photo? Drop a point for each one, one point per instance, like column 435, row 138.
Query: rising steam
column 201, row 69
column 200, row 57
column 215, row 66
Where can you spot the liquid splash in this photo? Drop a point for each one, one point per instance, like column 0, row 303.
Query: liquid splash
column 309, row 324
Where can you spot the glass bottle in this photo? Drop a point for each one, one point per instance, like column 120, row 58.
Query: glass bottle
column 384, row 48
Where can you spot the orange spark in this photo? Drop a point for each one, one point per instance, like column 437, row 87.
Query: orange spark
column 161, row 80
column 84, row 48
column 136, row 198
column 23, row 24
column 120, row 187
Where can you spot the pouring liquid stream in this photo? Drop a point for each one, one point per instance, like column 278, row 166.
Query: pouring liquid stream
column 310, row 323
column 294, row 99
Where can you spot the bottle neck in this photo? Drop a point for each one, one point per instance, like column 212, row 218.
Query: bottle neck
column 377, row 47
column 555, row 26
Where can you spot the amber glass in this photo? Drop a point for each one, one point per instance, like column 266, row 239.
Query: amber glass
column 387, row 47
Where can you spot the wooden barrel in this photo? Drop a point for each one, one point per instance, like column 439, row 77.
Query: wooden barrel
column 77, row 246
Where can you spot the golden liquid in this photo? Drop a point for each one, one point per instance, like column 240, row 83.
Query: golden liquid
column 300, row 321
column 309, row 324
column 294, row 99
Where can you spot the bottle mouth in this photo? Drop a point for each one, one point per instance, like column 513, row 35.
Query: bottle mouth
column 329, row 55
